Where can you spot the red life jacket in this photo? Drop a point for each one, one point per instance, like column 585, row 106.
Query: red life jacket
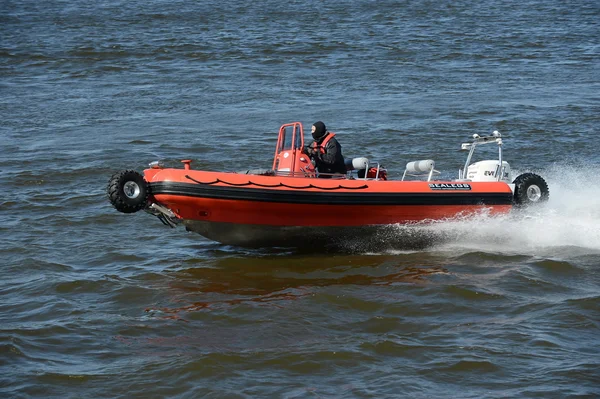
column 321, row 147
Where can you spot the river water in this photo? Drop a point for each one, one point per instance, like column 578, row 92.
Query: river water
column 94, row 303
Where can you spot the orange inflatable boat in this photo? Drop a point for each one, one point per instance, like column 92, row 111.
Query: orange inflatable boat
column 292, row 203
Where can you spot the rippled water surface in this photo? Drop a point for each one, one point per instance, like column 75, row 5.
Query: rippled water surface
column 94, row 303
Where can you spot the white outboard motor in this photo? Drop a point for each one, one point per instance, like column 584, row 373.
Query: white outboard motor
column 528, row 188
column 488, row 171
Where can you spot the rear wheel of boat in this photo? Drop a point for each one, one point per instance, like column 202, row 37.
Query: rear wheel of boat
column 128, row 191
column 530, row 189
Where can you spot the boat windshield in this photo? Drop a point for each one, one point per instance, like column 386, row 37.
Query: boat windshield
column 288, row 136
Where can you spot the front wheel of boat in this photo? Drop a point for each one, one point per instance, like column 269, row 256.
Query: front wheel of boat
column 128, row 191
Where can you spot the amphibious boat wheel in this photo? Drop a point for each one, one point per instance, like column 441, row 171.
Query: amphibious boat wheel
column 530, row 189
column 128, row 191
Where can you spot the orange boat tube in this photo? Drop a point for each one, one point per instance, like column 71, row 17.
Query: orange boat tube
column 287, row 201
column 251, row 210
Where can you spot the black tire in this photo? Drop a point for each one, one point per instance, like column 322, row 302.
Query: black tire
column 128, row 191
column 530, row 189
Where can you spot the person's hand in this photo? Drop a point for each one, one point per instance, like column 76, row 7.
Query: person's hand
column 309, row 151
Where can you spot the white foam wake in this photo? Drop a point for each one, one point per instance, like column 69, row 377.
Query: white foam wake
column 571, row 218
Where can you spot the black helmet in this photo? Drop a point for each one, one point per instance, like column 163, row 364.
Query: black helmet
column 320, row 130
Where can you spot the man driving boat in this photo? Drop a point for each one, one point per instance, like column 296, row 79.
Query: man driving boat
column 325, row 151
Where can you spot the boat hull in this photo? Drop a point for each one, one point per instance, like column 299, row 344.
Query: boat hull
column 364, row 238
column 264, row 210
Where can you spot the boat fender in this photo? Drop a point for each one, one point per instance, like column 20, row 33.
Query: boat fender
column 424, row 166
column 128, row 191
column 530, row 189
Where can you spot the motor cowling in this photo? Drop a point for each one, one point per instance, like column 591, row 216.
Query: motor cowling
column 488, row 171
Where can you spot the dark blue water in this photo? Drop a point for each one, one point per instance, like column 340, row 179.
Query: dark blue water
column 94, row 303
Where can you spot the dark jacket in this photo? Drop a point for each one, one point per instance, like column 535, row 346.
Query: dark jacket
column 330, row 159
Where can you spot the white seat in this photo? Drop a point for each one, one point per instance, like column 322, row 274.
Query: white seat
column 356, row 163
column 420, row 168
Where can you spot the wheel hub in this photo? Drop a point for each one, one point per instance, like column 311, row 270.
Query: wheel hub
column 131, row 189
column 534, row 193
